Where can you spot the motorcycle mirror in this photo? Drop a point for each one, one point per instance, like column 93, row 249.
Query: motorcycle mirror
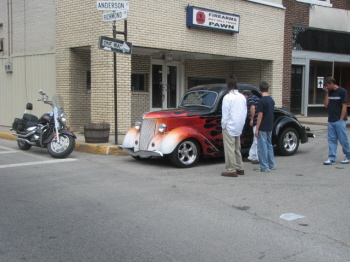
column 41, row 92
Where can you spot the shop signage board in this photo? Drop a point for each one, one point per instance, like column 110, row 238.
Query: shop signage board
column 112, row 5
column 115, row 16
column 115, row 45
column 211, row 19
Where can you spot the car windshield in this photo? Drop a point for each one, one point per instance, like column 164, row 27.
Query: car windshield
column 199, row 98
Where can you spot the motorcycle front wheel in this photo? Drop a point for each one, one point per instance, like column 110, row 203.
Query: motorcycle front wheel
column 61, row 148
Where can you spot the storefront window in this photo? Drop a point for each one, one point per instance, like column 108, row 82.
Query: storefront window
column 138, row 82
column 318, row 70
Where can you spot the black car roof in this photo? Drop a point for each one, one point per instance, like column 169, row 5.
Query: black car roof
column 221, row 88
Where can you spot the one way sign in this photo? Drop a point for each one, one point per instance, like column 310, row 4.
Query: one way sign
column 115, row 45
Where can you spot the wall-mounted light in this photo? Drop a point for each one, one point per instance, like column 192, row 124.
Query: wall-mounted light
column 8, row 67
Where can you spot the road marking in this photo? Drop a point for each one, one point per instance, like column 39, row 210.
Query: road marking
column 8, row 152
column 39, row 163
column 6, row 148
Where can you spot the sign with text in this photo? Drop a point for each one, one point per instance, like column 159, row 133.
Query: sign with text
column 115, row 16
column 115, row 45
column 112, row 5
column 211, row 19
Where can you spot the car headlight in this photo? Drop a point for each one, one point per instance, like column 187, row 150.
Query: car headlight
column 137, row 125
column 162, row 127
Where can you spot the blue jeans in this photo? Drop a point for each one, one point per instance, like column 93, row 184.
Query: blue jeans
column 337, row 132
column 265, row 150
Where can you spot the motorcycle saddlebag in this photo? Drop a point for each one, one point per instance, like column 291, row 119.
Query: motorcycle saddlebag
column 19, row 124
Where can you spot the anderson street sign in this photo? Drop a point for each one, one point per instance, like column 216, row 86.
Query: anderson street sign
column 115, row 16
column 112, row 5
column 115, row 45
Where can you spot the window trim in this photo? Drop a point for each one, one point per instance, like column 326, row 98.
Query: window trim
column 317, row 2
column 267, row 3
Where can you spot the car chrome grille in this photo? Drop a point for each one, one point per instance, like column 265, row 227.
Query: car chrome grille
column 148, row 130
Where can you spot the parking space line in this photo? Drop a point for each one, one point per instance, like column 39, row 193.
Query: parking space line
column 6, row 148
column 38, row 163
column 6, row 152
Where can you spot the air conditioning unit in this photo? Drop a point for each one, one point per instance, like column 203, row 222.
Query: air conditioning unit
column 8, row 67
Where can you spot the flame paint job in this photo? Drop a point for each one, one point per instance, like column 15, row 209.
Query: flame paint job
column 203, row 125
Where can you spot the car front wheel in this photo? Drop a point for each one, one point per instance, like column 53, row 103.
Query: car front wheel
column 288, row 141
column 186, row 154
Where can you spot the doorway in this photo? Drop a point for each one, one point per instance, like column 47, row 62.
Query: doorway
column 165, row 85
column 296, row 89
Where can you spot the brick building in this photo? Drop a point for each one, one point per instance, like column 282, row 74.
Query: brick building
column 317, row 36
column 53, row 45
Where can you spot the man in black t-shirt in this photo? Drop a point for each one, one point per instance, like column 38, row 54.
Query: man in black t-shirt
column 336, row 99
column 264, row 128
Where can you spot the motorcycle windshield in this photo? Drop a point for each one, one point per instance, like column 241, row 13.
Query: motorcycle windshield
column 57, row 101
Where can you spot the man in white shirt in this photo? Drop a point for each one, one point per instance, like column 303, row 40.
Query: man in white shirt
column 234, row 113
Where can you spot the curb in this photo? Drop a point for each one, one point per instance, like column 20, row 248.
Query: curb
column 98, row 149
column 82, row 147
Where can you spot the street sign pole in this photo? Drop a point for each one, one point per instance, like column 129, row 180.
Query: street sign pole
column 115, row 90
column 119, row 9
column 115, row 32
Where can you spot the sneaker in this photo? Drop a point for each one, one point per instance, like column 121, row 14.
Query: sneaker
column 346, row 161
column 258, row 169
column 272, row 168
column 330, row 162
column 255, row 162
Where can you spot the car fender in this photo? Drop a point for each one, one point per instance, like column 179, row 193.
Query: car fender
column 63, row 131
column 283, row 122
column 175, row 136
column 131, row 136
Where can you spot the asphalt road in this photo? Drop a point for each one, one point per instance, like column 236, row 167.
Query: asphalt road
column 114, row 208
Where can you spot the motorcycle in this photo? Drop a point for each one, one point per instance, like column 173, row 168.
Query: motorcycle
column 49, row 131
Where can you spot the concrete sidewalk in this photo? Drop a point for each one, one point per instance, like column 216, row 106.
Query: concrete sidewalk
column 111, row 148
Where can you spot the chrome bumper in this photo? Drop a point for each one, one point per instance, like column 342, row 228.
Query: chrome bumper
column 141, row 153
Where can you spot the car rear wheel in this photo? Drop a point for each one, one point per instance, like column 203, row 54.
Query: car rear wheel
column 288, row 142
column 186, row 154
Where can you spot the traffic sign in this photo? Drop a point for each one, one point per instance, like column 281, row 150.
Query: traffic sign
column 115, row 16
column 115, row 45
column 112, row 5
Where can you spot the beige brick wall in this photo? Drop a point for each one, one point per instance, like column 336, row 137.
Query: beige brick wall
column 140, row 101
column 162, row 25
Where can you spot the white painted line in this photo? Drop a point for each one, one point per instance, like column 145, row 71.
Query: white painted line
column 6, row 148
column 6, row 152
column 39, row 163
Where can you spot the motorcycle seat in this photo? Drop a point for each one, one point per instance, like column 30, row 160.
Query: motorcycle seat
column 32, row 120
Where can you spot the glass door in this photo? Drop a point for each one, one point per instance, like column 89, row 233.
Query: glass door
column 165, row 82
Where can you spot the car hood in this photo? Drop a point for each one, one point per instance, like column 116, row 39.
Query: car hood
column 179, row 112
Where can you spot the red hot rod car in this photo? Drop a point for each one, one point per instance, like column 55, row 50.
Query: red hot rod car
column 194, row 129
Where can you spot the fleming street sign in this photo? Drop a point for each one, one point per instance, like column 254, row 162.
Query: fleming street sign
column 115, row 45
column 112, row 5
column 115, row 16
